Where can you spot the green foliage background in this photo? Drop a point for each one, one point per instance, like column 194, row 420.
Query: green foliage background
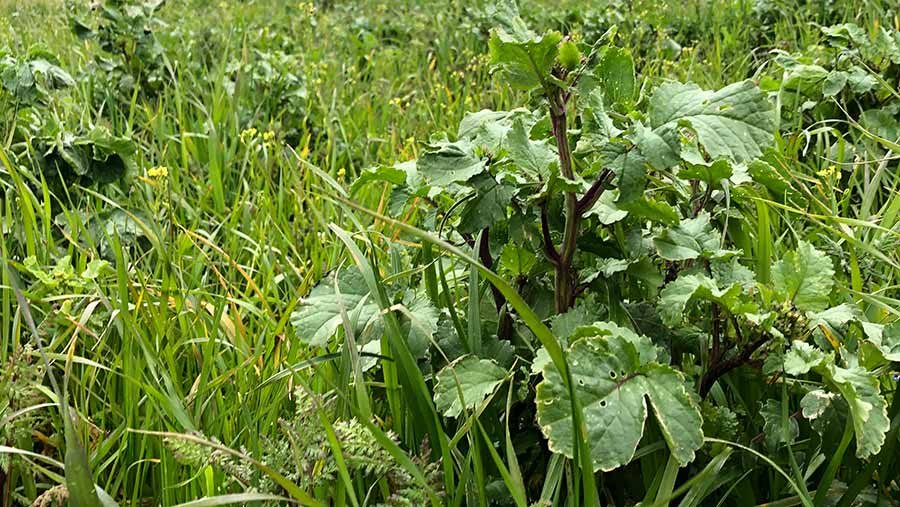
column 181, row 184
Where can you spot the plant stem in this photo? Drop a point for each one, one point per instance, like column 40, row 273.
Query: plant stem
column 565, row 277
column 719, row 368
column 594, row 192
column 504, row 322
column 484, row 255
column 549, row 247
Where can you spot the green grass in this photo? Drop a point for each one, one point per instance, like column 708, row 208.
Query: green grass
column 185, row 330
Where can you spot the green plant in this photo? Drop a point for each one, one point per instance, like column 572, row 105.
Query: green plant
column 735, row 307
column 133, row 59
column 646, row 206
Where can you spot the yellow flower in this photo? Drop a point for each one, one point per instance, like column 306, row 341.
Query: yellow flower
column 827, row 173
column 269, row 136
column 308, row 7
column 248, row 135
column 158, row 173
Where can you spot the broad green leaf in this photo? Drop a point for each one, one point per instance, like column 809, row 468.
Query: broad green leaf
column 652, row 146
column 834, row 83
column 31, row 264
column 489, row 128
column 804, row 78
column 318, row 316
column 778, row 430
column 651, row 209
column 605, row 267
column 444, row 163
column 802, row 358
column 630, row 167
column 395, row 175
column 524, row 57
column 505, row 14
column 675, row 297
column 489, row 205
column 860, row 80
column 727, row 272
column 858, row 387
column 886, row 340
column 711, row 174
column 646, row 350
column 516, row 260
column 774, row 181
column 605, row 208
column 582, row 314
column 420, row 324
column 882, row 122
column 877, row 47
column 613, row 385
column 597, row 126
column 736, row 122
column 691, row 239
column 815, row 403
column 476, row 378
column 32, row 80
column 834, row 317
column 615, row 73
column 94, row 269
column 867, row 407
column 804, row 277
column 534, row 158
column 564, row 325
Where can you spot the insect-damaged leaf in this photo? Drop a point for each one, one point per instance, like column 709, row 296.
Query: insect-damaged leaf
column 616, row 373
column 615, row 72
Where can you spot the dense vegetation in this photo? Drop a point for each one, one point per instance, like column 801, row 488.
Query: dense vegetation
column 450, row 252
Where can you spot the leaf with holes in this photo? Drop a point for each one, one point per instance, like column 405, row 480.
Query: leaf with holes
column 614, row 383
